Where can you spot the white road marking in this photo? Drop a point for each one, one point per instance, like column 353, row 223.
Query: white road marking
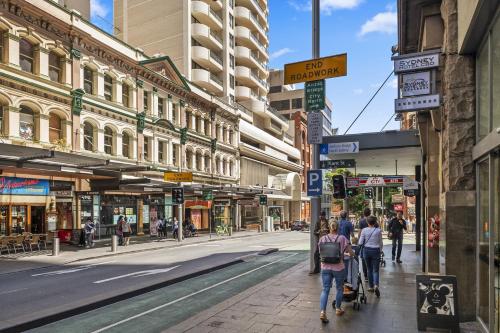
column 259, row 246
column 138, row 274
column 188, row 296
column 12, row 291
column 72, row 270
column 212, row 245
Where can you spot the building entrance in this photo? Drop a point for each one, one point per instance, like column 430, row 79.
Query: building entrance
column 37, row 219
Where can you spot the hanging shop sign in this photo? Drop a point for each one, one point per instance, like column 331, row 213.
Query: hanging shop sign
column 316, row 69
column 415, row 62
column 410, row 184
column 23, row 186
column 416, row 84
column 417, row 103
column 397, row 198
column 178, row 177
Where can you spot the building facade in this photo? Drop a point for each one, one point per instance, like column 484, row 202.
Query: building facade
column 100, row 122
column 460, row 143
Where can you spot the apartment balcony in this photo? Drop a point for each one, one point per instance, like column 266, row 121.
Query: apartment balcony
column 243, row 93
column 246, row 18
column 206, row 36
column 247, row 57
column 207, row 80
column 207, row 58
column 254, row 6
column 245, row 37
column 216, row 4
column 206, row 15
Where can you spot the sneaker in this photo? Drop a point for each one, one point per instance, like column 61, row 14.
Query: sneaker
column 323, row 317
column 392, row 259
column 377, row 292
column 339, row 312
column 399, row 261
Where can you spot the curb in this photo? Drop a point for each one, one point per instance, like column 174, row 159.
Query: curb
column 114, row 299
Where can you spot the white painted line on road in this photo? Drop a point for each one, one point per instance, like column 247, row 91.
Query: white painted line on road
column 259, row 246
column 188, row 296
column 72, row 270
column 12, row 291
column 212, row 245
column 138, row 274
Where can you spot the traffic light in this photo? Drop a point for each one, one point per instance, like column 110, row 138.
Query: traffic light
column 369, row 193
column 178, row 196
column 184, row 132
column 338, row 187
column 263, row 200
column 352, row 192
column 213, row 145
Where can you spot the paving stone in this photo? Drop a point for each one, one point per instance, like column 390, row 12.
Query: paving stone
column 260, row 328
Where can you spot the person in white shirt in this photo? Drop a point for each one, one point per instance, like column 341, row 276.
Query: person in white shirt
column 372, row 245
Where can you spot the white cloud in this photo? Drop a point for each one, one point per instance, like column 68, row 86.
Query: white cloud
column 327, row 6
column 385, row 22
column 98, row 9
column 358, row 91
column 280, row 52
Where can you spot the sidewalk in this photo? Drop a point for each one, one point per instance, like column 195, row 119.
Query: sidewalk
column 289, row 302
column 71, row 253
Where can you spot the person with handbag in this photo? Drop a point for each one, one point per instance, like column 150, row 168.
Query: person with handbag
column 331, row 249
column 397, row 226
column 372, row 245
column 322, row 228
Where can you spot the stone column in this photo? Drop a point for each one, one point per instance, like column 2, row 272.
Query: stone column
column 76, row 135
column 154, row 150
column 67, row 130
column 100, row 84
column 134, row 149
column 140, row 147
column 154, row 103
column 12, row 50
column 140, row 217
column 140, row 96
column 221, row 137
column 193, row 121
column 76, row 70
column 169, row 109
column 43, row 128
column 100, row 140
column 119, row 145
column 182, row 114
column 11, row 121
column 202, row 125
column 42, row 62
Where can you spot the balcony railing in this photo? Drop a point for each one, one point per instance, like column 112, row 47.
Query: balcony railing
column 216, row 58
column 256, row 40
column 217, row 17
column 277, row 114
column 262, row 82
column 214, row 35
column 215, row 78
column 256, row 21
column 257, row 4
column 254, row 56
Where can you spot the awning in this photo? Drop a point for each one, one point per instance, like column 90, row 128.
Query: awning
column 198, row 204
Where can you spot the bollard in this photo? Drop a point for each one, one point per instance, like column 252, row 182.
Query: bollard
column 55, row 246
column 114, row 243
column 230, row 231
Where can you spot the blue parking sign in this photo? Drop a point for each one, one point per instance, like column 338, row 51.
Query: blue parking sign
column 314, row 183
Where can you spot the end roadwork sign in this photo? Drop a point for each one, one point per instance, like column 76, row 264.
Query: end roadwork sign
column 316, row 69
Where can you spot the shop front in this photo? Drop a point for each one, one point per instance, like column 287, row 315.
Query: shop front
column 198, row 212
column 223, row 214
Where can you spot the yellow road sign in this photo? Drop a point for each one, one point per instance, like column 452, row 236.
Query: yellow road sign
column 178, row 177
column 316, row 69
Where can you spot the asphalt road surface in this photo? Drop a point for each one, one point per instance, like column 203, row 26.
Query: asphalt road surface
column 30, row 295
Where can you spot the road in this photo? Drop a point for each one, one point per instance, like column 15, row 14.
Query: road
column 30, row 295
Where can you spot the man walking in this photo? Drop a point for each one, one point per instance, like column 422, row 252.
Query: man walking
column 346, row 228
column 320, row 230
column 396, row 228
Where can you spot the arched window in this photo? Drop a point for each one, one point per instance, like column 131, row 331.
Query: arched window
column 26, row 55
column 27, row 123
column 108, row 140
column 108, row 88
column 126, row 145
column 88, row 80
column 207, row 163
column 126, row 95
column 55, row 67
column 231, row 168
column 55, row 128
column 88, row 137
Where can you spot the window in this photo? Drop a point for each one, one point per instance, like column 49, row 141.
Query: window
column 224, row 134
column 198, row 124
column 146, row 101
column 188, row 120
column 199, row 160
column 224, row 167
column 55, row 67
column 217, row 132
column 231, row 41
column 175, row 150
column 297, row 103
column 126, row 145
column 189, row 159
column 27, row 123
column 275, row 89
column 108, row 88
column 207, row 163
column 281, row 105
column 231, row 61
column 207, row 127
column 218, row 165
column 146, row 148
column 231, row 3
column 231, row 21
column 126, row 95
column 231, row 168
column 231, row 80
column 88, row 137
column 231, row 98
column 26, row 55
column 231, row 134
column 88, row 80
column 161, row 112
column 174, row 113
column 108, row 140
column 55, row 128
column 161, row 147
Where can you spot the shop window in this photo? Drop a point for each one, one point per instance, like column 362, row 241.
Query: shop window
column 88, row 80
column 55, row 128
column 108, row 140
column 108, row 88
column 126, row 145
column 88, row 137
column 55, row 67
column 161, row 110
column 27, row 123
column 18, row 219
column 484, row 241
column 126, row 95
column 26, row 55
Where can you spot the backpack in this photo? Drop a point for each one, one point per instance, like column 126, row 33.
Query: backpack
column 330, row 252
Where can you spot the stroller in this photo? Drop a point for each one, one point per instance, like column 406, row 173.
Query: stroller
column 382, row 259
column 354, row 290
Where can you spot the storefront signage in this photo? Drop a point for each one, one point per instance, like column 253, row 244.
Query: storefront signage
column 62, row 194
column 23, row 186
column 415, row 62
column 314, row 128
column 178, row 177
column 437, row 302
column 415, row 84
column 353, row 182
column 315, row 95
column 198, row 204
column 316, row 69
column 410, row 184
column 417, row 103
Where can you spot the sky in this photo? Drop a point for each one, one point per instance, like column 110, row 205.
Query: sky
column 364, row 29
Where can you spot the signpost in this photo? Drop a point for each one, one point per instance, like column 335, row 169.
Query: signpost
column 316, row 69
column 314, row 183
column 178, row 177
column 417, row 103
column 315, row 95
column 336, row 164
column 339, row 148
column 314, row 128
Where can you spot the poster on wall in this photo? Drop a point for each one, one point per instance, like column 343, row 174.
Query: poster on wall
column 52, row 222
column 433, row 231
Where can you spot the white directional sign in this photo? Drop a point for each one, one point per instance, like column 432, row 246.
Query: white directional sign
column 314, row 128
column 417, row 103
column 410, row 184
column 339, row 148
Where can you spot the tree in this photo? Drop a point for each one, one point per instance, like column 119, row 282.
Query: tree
column 357, row 202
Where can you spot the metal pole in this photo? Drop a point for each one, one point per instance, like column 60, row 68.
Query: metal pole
column 55, row 246
column 179, row 236
column 315, row 201
column 383, row 208
column 114, row 243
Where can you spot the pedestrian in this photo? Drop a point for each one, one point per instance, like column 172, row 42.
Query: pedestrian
column 332, row 248
column 363, row 223
column 346, row 229
column 159, row 224
column 119, row 230
column 175, row 229
column 397, row 226
column 89, row 233
column 372, row 244
column 413, row 224
column 81, row 241
column 127, row 229
column 321, row 229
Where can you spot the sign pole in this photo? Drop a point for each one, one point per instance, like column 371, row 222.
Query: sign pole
column 315, row 200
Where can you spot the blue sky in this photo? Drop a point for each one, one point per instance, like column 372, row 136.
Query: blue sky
column 364, row 29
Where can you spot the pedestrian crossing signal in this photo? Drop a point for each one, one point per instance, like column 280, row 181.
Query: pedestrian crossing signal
column 352, row 192
column 369, row 193
column 338, row 187
column 263, row 200
column 178, row 196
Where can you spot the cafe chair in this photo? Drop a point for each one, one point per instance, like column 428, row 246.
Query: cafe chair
column 35, row 240
column 42, row 239
column 4, row 244
column 18, row 242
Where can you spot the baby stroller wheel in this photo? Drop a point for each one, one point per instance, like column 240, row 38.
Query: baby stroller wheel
column 333, row 305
